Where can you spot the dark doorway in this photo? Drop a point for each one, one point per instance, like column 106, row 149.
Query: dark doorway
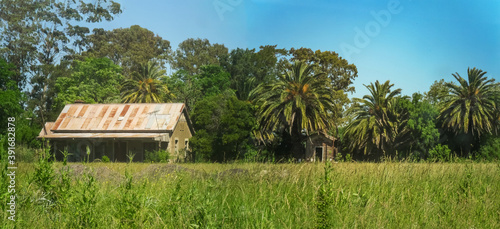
column 121, row 151
column 319, row 153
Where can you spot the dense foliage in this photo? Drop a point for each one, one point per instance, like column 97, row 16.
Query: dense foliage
column 297, row 101
column 244, row 102
column 145, row 86
column 92, row 81
column 379, row 127
column 223, row 128
column 469, row 110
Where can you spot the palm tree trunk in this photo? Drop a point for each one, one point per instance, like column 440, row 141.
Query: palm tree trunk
column 297, row 148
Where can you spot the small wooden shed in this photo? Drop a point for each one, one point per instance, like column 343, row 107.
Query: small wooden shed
column 320, row 147
column 115, row 130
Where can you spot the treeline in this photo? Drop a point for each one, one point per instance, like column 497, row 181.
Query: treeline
column 255, row 104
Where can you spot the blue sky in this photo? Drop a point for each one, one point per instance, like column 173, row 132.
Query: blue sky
column 420, row 42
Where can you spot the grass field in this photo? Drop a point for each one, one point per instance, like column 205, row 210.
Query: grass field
column 354, row 195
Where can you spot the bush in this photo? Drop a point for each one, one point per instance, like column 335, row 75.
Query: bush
column 258, row 155
column 348, row 158
column 439, row 153
column 105, row 159
column 489, row 150
column 25, row 154
column 157, row 156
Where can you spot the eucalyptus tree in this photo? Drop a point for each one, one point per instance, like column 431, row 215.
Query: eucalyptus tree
column 298, row 102
column 194, row 53
column 146, row 86
column 35, row 35
column 128, row 47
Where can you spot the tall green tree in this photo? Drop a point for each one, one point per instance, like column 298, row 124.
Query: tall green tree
column 337, row 69
column 422, row 124
column 249, row 68
column 223, row 128
column 437, row 93
column 95, row 80
column 379, row 126
column 146, row 86
column 189, row 89
column 184, row 87
column 298, row 101
column 212, row 80
column 194, row 53
column 340, row 73
column 10, row 104
column 128, row 47
column 35, row 32
column 36, row 35
column 469, row 109
column 496, row 114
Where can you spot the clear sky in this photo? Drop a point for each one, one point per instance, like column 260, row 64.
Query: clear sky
column 412, row 43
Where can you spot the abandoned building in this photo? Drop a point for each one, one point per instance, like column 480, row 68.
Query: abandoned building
column 119, row 131
column 320, row 147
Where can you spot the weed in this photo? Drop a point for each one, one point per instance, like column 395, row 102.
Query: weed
column 44, row 177
column 130, row 156
column 84, row 203
column 439, row 153
column 88, row 154
column 129, row 203
column 466, row 183
column 161, row 156
column 299, row 195
column 324, row 201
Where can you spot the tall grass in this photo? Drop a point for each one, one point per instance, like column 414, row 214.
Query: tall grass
column 347, row 195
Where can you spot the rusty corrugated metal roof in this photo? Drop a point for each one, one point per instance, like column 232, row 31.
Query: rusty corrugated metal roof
column 152, row 136
column 118, row 118
column 48, row 126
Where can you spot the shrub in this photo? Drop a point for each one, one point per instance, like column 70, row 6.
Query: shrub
column 44, row 176
column 324, row 200
column 25, row 154
column 348, row 157
column 490, row 149
column 439, row 153
column 157, row 156
column 105, row 159
column 258, row 155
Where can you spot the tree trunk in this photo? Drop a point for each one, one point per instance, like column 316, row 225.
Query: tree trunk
column 297, row 147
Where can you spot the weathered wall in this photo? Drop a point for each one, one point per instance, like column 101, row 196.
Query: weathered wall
column 319, row 141
column 181, row 134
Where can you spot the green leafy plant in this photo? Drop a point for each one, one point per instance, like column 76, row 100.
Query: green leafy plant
column 105, row 159
column 348, row 157
column 157, row 156
column 490, row 150
column 439, row 153
column 129, row 204
column 44, row 176
column 88, row 154
column 130, row 156
column 84, row 203
column 324, row 199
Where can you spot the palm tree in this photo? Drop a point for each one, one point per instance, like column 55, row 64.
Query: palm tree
column 470, row 108
column 297, row 101
column 145, row 86
column 378, row 127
